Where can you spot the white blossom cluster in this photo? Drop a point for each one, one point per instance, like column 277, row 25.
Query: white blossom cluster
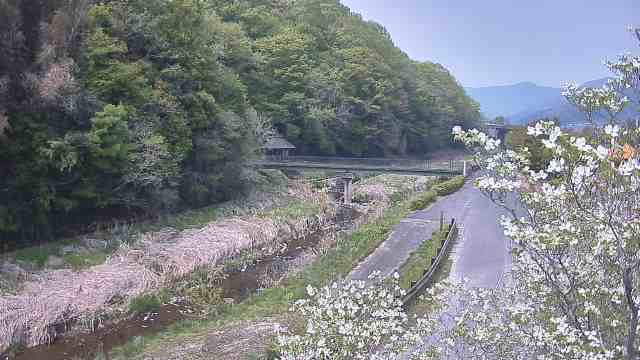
column 577, row 258
column 591, row 100
column 500, row 162
column 627, row 70
column 575, row 289
column 354, row 320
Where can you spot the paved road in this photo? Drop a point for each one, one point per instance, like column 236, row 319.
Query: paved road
column 481, row 254
column 405, row 238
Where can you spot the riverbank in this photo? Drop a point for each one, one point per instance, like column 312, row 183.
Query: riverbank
column 171, row 256
column 245, row 331
column 187, row 340
column 275, row 191
column 65, row 302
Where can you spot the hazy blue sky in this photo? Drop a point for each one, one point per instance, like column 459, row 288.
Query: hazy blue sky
column 497, row 42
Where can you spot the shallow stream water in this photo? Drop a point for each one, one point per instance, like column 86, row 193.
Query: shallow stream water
column 238, row 285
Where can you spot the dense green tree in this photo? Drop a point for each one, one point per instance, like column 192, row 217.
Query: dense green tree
column 153, row 105
column 537, row 153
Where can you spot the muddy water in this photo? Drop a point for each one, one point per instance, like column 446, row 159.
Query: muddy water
column 89, row 345
column 238, row 285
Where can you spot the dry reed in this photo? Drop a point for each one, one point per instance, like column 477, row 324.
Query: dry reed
column 63, row 297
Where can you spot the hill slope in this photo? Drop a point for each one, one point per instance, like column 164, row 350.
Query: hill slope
column 151, row 105
column 527, row 102
column 560, row 108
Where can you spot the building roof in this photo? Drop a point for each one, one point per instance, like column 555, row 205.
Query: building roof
column 278, row 142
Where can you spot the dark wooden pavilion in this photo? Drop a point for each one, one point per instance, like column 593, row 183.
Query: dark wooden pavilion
column 278, row 148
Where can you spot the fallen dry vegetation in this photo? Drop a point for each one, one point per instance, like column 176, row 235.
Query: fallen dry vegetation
column 194, row 341
column 60, row 298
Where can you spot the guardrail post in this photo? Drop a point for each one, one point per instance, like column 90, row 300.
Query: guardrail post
column 427, row 277
column 464, row 168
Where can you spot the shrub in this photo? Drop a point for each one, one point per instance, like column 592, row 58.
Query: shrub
column 147, row 303
column 133, row 347
column 203, row 288
column 14, row 349
column 449, row 187
column 37, row 256
column 82, row 261
column 443, row 188
column 424, row 200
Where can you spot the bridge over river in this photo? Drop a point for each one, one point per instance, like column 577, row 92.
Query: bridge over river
column 382, row 165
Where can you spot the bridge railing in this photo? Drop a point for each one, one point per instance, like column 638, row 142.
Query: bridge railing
column 420, row 164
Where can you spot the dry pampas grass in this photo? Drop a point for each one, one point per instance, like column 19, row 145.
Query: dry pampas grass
column 381, row 188
column 63, row 297
column 372, row 192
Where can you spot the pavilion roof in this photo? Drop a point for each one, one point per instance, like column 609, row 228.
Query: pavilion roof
column 278, row 142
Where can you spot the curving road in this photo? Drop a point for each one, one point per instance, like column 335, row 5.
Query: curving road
column 481, row 254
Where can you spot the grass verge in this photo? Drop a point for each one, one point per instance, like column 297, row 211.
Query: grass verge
column 422, row 306
column 332, row 265
column 37, row 255
column 81, row 261
column 440, row 189
column 421, row 259
column 295, row 210
column 450, row 186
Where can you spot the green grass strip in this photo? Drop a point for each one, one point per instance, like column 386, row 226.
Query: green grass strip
column 450, row 186
column 440, row 189
column 421, row 259
column 336, row 263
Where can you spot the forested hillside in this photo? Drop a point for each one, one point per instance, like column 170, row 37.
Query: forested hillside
column 149, row 105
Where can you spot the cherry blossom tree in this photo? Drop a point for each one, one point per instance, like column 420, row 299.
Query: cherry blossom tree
column 358, row 320
column 575, row 287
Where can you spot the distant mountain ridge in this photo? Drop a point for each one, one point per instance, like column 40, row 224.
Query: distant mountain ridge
column 526, row 102
column 507, row 100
